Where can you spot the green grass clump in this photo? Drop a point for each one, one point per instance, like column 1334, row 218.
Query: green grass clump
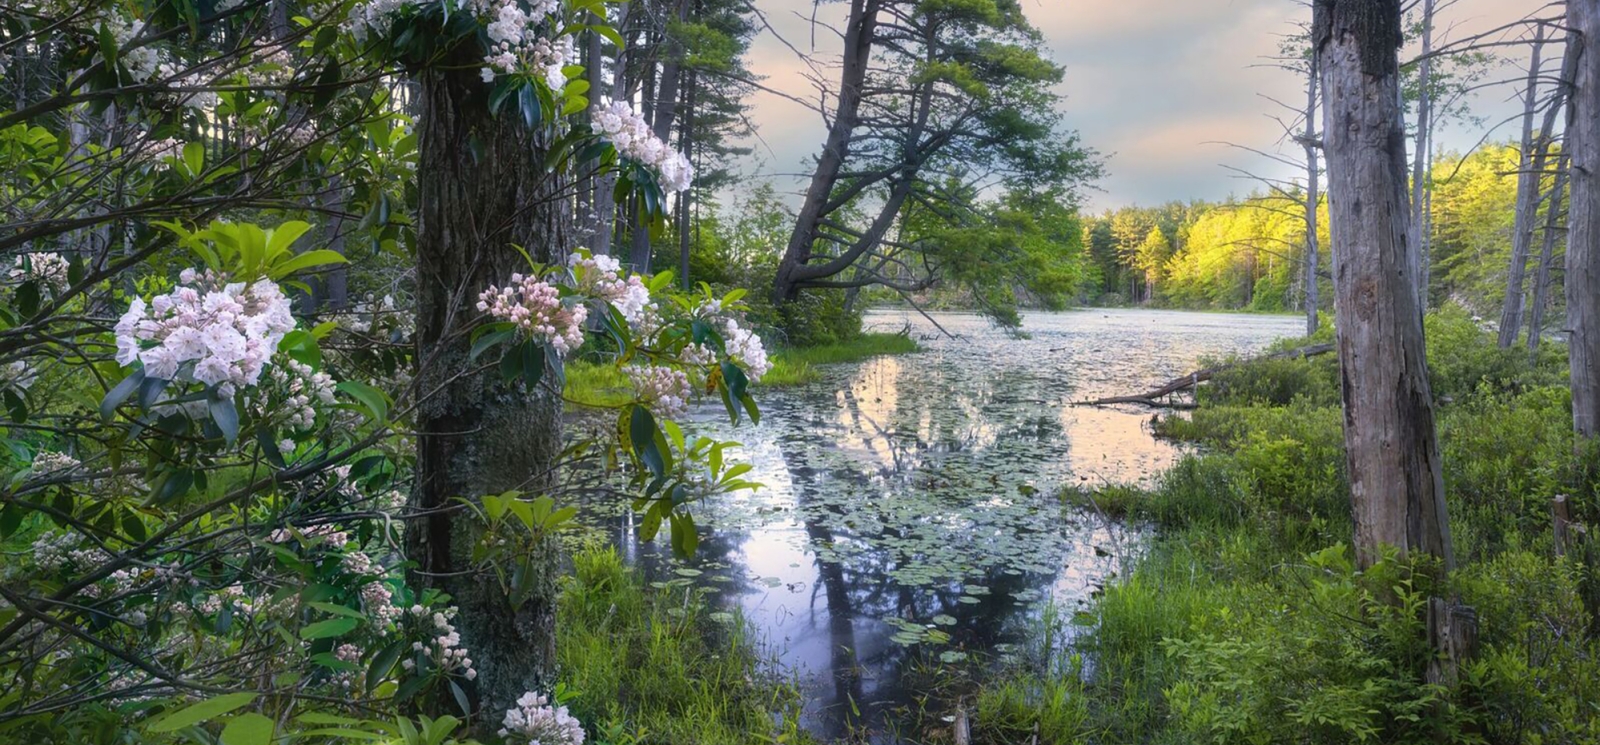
column 1024, row 709
column 597, row 385
column 659, row 665
column 797, row 366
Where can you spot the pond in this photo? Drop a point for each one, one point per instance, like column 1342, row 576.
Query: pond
column 910, row 514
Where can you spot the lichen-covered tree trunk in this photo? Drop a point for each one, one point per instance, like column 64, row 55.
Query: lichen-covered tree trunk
column 482, row 189
column 1396, row 483
column 1583, row 220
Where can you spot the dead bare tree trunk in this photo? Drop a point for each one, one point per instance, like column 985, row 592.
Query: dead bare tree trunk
column 1313, row 149
column 1528, row 182
column 1396, row 483
column 476, row 435
column 1419, row 167
column 1583, row 221
column 1541, row 280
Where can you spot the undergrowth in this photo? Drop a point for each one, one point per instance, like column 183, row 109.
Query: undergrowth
column 1246, row 620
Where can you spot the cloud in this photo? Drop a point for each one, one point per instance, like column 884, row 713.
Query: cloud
column 1148, row 81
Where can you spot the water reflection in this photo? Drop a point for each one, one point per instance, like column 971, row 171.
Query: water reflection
column 912, row 498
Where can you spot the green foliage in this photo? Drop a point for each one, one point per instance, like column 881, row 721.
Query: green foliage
column 813, row 319
column 1463, row 358
column 1342, row 663
column 1023, row 249
column 1238, row 255
column 1246, row 623
column 661, row 665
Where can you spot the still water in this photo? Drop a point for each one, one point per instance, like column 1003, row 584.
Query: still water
column 910, row 515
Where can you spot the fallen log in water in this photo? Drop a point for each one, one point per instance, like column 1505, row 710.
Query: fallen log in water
column 1153, row 398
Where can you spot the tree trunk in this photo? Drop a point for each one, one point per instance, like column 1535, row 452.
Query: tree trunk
column 477, row 435
column 1528, row 182
column 1541, row 280
column 1396, row 484
column 858, row 38
column 1583, row 219
column 686, row 199
column 1419, row 174
column 1313, row 201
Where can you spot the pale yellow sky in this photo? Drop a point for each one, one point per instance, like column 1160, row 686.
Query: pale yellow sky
column 1148, row 82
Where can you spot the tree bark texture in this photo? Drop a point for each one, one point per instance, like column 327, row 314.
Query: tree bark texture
column 1583, row 219
column 1396, row 483
column 482, row 189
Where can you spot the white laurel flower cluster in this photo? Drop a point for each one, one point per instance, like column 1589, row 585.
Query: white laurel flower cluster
column 445, row 647
column 230, row 595
column 516, row 42
column 746, row 349
column 373, row 16
column 46, row 462
column 205, row 331
column 328, row 534
column 148, row 63
column 535, row 720
column 698, row 355
column 351, row 654
column 626, row 130
column 664, row 390
column 52, row 550
column 271, row 68
column 304, row 388
column 359, row 563
column 535, row 307
column 47, row 268
column 379, row 602
column 142, row 62
column 600, row 277
column 17, row 376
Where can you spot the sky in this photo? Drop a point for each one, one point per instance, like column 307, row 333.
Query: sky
column 1154, row 85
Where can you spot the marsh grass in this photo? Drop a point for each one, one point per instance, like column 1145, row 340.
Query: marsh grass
column 661, row 666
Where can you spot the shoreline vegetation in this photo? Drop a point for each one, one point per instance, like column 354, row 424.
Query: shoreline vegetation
column 1245, row 619
column 597, row 384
